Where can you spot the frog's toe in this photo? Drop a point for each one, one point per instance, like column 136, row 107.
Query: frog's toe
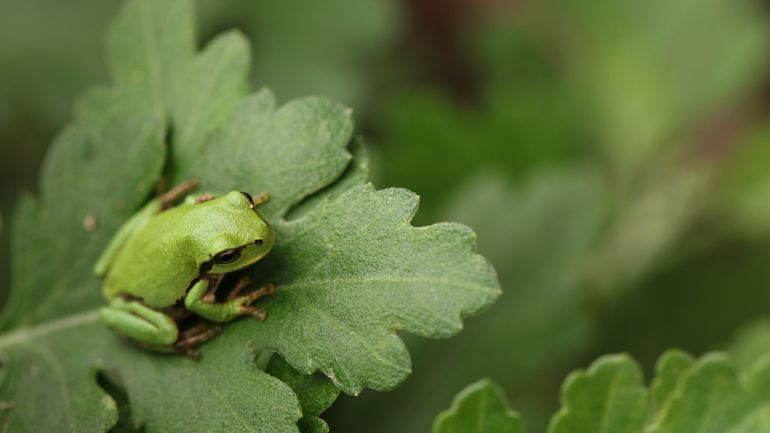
column 266, row 290
column 242, row 283
column 269, row 289
column 196, row 336
column 190, row 352
column 260, row 199
column 254, row 312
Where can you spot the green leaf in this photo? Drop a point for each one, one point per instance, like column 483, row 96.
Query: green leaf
column 356, row 173
column 302, row 150
column 289, row 151
column 351, row 270
column 536, row 327
column 670, row 370
column 315, row 392
column 479, row 408
column 347, row 287
column 609, row 397
column 710, row 399
column 50, row 375
column 165, row 63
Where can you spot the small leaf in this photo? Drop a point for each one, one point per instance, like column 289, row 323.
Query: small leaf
column 670, row 371
column 315, row 392
column 479, row 408
column 711, row 399
column 609, row 397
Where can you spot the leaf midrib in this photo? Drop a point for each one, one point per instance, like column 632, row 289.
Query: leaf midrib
column 25, row 334
column 609, row 402
column 42, row 329
column 304, row 283
column 481, row 418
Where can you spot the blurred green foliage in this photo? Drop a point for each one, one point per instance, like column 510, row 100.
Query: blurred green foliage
column 613, row 157
column 745, row 185
column 654, row 69
column 524, row 117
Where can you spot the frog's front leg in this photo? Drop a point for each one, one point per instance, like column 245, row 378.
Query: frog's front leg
column 224, row 311
column 140, row 322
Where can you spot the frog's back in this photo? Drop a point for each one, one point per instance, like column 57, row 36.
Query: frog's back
column 154, row 264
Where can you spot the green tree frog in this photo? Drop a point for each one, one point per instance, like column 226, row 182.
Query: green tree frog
column 163, row 260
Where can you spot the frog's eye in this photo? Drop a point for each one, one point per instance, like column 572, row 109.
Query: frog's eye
column 227, row 256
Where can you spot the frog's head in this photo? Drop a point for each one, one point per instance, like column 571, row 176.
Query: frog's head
column 238, row 235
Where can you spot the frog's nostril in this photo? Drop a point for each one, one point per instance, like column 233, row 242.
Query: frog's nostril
column 258, row 242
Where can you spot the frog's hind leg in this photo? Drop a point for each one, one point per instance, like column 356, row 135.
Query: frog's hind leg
column 139, row 322
column 196, row 336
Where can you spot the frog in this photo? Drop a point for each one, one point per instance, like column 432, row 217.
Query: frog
column 167, row 258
